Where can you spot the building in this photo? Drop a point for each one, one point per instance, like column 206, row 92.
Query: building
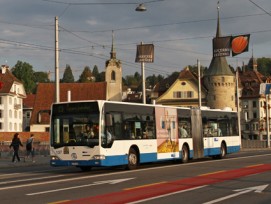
column 113, row 76
column 252, row 103
column 220, row 81
column 179, row 90
column 12, row 93
column 28, row 105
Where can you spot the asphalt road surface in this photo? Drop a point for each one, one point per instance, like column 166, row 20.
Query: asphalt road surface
column 244, row 177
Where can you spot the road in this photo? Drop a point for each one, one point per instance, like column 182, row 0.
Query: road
column 244, row 177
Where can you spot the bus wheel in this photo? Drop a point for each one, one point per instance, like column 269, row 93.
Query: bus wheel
column 184, row 154
column 222, row 151
column 132, row 159
column 85, row 168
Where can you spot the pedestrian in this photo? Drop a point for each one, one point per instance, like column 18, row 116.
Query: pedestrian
column 30, row 148
column 16, row 143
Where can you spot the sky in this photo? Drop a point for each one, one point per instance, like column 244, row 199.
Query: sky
column 181, row 31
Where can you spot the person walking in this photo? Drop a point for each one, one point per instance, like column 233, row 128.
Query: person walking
column 16, row 143
column 30, row 148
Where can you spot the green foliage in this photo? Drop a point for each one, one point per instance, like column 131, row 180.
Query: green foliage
column 86, row 76
column 68, row 76
column 264, row 65
column 98, row 76
column 151, row 81
column 24, row 72
column 41, row 77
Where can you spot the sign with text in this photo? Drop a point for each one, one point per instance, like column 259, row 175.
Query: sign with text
column 222, row 46
column 145, row 53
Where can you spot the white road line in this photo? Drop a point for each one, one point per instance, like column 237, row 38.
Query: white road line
column 30, row 179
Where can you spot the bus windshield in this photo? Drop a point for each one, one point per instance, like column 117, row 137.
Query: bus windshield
column 75, row 128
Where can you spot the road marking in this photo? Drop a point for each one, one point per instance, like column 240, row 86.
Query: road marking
column 251, row 166
column 151, row 184
column 82, row 186
column 31, row 179
column 256, row 189
column 216, row 172
column 165, row 195
column 57, row 202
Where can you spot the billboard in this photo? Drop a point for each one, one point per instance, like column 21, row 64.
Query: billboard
column 230, row 45
column 222, row 46
column 239, row 44
column 145, row 53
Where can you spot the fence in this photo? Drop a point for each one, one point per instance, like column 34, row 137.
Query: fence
column 249, row 144
column 41, row 148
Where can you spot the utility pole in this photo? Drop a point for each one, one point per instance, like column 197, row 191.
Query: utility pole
column 143, row 81
column 267, row 120
column 56, row 61
column 199, row 79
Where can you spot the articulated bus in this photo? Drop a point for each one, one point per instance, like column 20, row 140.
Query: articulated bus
column 100, row 133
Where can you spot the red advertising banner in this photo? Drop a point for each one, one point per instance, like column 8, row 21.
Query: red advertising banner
column 239, row 44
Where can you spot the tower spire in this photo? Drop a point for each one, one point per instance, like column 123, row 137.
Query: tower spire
column 113, row 51
column 218, row 31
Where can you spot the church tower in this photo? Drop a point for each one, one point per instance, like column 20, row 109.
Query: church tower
column 113, row 76
column 220, row 80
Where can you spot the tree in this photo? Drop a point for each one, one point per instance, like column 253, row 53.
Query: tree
column 264, row 65
column 151, row 81
column 86, row 76
column 41, row 77
column 95, row 73
column 68, row 76
column 24, row 72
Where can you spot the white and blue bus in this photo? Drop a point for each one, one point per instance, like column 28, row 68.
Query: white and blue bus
column 99, row 133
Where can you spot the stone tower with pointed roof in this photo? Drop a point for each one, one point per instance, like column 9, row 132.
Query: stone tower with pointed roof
column 220, row 81
column 113, row 76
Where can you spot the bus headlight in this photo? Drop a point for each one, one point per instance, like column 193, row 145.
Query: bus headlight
column 54, row 158
column 98, row 157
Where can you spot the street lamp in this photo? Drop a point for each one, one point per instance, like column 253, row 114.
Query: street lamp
column 141, row 7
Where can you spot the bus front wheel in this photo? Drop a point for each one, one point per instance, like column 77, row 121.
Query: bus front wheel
column 132, row 159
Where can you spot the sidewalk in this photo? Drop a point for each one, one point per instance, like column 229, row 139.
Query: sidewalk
column 6, row 162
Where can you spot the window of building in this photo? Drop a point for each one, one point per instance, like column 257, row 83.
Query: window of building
column 10, row 100
column 247, row 126
column 254, row 114
column 0, row 113
column 0, row 126
column 113, row 76
column 10, row 113
column 0, row 100
column 183, row 94
column 254, row 104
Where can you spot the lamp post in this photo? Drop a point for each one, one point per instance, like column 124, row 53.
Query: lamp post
column 56, row 61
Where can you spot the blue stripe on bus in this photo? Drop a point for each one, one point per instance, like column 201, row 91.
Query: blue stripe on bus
column 144, row 158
